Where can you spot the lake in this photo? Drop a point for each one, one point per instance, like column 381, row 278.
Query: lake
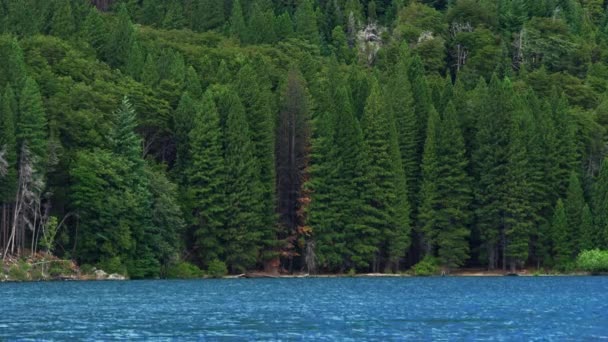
column 450, row 308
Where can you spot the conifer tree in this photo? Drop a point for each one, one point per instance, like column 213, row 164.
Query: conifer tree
column 573, row 205
column 62, row 23
column 490, row 159
column 387, row 213
column 32, row 122
column 306, row 22
column 518, row 216
column 600, row 206
column 94, row 31
column 193, row 83
column 360, row 239
column 183, row 119
column 322, row 215
column 121, row 39
column 255, row 93
column 560, row 235
column 206, row 181
column 283, row 26
column 453, row 193
column 149, row 73
column 151, row 12
column 174, row 17
column 208, row 15
column 245, row 227
column 400, row 100
column 238, row 29
column 587, row 241
column 8, row 145
column 427, row 218
column 261, row 25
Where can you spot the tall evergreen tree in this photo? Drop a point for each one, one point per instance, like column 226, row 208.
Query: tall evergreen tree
column 238, row 29
column 62, row 23
column 454, row 193
column 306, row 22
column 206, row 181
column 560, row 235
column 32, row 122
column 427, row 219
column 208, row 15
column 386, row 210
column 8, row 145
column 255, row 93
column 121, row 39
column 573, row 205
column 245, row 229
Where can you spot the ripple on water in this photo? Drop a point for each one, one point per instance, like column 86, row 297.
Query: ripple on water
column 310, row 309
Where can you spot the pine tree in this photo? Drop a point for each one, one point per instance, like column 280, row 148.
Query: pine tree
column 600, row 207
column 427, row 219
column 245, row 227
column 518, row 217
column 421, row 106
column 256, row 95
column 208, row 15
column 238, row 28
column 121, row 39
column 586, row 241
column 135, row 61
column 400, row 100
column 283, row 26
column 193, row 83
column 560, row 235
column 149, row 73
column 322, row 214
column 94, row 31
column 31, row 122
column 261, row 25
column 385, row 207
column 151, row 12
column 174, row 17
column 306, row 22
column 206, row 181
column 453, row 193
column 62, row 23
column 183, row 123
column 573, row 205
column 351, row 185
column 490, row 158
column 8, row 145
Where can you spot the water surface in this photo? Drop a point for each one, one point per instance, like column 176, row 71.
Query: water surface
column 496, row 308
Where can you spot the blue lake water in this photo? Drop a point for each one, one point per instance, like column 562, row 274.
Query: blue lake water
column 503, row 308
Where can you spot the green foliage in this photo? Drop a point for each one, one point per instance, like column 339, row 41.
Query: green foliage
column 226, row 152
column 183, row 270
column 217, row 269
column 594, row 261
column 428, row 266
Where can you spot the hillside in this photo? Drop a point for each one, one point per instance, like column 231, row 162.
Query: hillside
column 327, row 136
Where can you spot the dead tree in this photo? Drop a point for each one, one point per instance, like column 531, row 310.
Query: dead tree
column 292, row 155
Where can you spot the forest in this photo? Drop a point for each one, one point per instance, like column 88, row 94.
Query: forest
column 325, row 136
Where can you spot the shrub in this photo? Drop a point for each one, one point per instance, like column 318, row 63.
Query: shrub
column 183, row 270
column 352, row 272
column 17, row 272
column 60, row 268
column 112, row 265
column 426, row 267
column 594, row 261
column 217, row 269
column 86, row 269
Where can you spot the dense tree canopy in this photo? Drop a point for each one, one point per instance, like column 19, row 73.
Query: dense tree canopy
column 314, row 135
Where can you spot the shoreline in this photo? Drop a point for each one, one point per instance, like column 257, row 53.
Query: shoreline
column 462, row 274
